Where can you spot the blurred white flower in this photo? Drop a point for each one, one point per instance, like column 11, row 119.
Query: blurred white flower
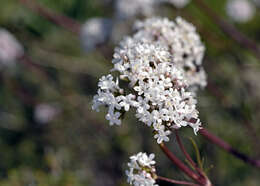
column 177, row 3
column 10, row 48
column 240, row 10
column 94, row 32
column 45, row 112
column 129, row 8
column 141, row 170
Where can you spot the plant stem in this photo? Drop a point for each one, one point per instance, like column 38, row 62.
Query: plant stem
column 186, row 154
column 224, row 145
column 182, row 166
column 214, row 90
column 61, row 20
column 176, row 181
column 229, row 29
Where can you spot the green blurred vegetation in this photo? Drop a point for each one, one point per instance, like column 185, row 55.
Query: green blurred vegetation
column 78, row 147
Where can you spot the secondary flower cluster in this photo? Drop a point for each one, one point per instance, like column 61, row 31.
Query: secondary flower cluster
column 141, row 170
column 158, row 77
column 181, row 41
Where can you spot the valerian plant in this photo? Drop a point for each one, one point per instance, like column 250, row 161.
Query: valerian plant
column 162, row 63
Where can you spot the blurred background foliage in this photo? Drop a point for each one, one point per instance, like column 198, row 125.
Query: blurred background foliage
column 77, row 147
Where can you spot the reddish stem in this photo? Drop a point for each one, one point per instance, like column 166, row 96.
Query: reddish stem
column 214, row 90
column 61, row 20
column 186, row 154
column 182, row 166
column 224, row 145
column 229, row 29
column 176, row 181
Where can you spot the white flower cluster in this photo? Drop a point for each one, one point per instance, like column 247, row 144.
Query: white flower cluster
column 158, row 87
column 240, row 10
column 181, row 41
column 141, row 170
column 10, row 48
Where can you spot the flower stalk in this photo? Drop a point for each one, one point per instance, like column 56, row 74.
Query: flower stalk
column 186, row 154
column 176, row 181
column 229, row 29
column 202, row 180
column 228, row 148
column 61, row 20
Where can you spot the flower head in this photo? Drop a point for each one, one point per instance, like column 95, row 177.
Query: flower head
column 159, row 84
column 141, row 170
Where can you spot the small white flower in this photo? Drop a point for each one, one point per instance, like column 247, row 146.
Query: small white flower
column 113, row 118
column 162, row 136
column 10, row 48
column 107, row 83
column 95, row 31
column 105, row 98
column 196, row 126
column 127, row 101
column 240, row 10
column 45, row 112
column 158, row 126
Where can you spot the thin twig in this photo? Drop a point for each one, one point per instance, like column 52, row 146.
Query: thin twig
column 201, row 180
column 61, row 20
column 229, row 29
column 224, row 145
column 176, row 181
column 186, row 154
column 214, row 90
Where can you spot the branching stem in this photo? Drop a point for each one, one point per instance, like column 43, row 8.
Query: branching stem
column 176, row 181
column 199, row 179
column 224, row 145
column 229, row 29
column 60, row 20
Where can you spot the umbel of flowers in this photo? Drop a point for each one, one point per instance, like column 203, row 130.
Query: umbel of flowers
column 141, row 170
column 159, row 63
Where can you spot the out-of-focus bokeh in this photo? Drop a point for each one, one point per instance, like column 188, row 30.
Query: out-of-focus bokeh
column 49, row 72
